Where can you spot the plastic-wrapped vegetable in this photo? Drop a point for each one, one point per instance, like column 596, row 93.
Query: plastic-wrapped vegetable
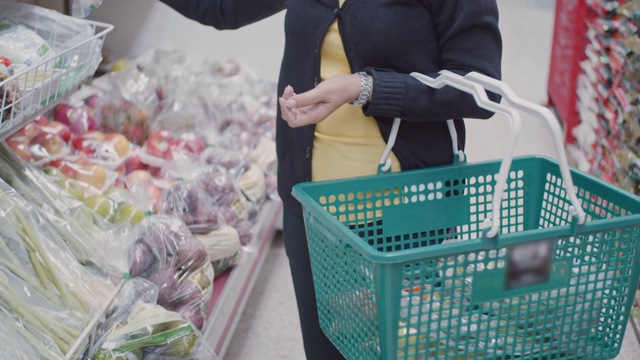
column 206, row 202
column 223, row 246
column 47, row 296
column 127, row 101
column 137, row 328
column 168, row 255
column 55, row 266
column 90, row 238
column 47, row 328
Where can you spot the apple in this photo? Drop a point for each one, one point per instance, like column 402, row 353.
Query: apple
column 91, row 174
column 83, row 159
column 20, row 145
column 121, row 169
column 93, row 101
column 134, row 133
column 72, row 187
column 41, row 120
column 119, row 143
column 139, row 177
column 77, row 119
column 88, row 142
column 158, row 143
column 46, row 145
column 102, row 205
column 56, row 127
column 178, row 148
column 133, row 163
column 156, row 172
column 194, row 142
column 30, row 130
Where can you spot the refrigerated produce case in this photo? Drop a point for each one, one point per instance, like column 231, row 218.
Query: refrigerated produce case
column 232, row 288
column 40, row 94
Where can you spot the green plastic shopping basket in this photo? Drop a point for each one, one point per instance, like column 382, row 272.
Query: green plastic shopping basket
column 428, row 264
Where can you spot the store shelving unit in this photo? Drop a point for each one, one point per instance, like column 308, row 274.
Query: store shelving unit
column 37, row 88
column 231, row 289
column 566, row 53
column 593, row 65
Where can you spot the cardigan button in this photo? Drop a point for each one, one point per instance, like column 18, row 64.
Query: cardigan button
column 308, row 152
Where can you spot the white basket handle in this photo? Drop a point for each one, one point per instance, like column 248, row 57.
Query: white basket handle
column 447, row 78
column 516, row 102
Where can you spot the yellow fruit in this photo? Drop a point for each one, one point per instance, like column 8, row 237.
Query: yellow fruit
column 128, row 212
column 102, row 205
column 119, row 65
column 72, row 187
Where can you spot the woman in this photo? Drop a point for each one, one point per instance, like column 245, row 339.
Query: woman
column 344, row 77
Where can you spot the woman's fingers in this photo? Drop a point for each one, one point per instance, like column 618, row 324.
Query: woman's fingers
column 313, row 106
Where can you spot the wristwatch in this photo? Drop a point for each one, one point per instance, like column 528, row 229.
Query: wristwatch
column 365, row 89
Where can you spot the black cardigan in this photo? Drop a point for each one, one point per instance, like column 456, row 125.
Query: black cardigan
column 388, row 39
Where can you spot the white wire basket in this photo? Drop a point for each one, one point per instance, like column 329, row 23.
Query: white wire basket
column 33, row 89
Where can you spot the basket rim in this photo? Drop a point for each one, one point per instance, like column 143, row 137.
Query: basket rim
column 477, row 244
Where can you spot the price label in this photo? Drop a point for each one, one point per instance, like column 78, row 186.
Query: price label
column 529, row 264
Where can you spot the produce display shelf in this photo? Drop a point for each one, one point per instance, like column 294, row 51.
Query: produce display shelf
column 233, row 287
column 35, row 89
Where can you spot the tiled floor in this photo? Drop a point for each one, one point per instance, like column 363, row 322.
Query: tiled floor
column 269, row 330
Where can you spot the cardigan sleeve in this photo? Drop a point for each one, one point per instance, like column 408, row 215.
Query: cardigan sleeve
column 226, row 14
column 469, row 40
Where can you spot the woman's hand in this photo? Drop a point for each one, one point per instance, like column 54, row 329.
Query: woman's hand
column 315, row 105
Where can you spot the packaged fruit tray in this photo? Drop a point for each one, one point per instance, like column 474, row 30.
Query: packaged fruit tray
column 72, row 51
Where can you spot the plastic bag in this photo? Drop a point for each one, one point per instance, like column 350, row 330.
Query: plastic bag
column 90, row 238
column 58, row 31
column 168, row 255
column 49, row 292
column 223, row 246
column 164, row 146
column 17, row 343
column 23, row 45
column 137, row 328
column 170, row 69
column 83, row 8
column 208, row 201
column 125, row 102
column 47, row 327
column 180, row 113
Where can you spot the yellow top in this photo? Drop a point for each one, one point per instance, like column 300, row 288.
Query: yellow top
column 347, row 143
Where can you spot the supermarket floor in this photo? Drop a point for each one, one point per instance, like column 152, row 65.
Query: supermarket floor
column 268, row 329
